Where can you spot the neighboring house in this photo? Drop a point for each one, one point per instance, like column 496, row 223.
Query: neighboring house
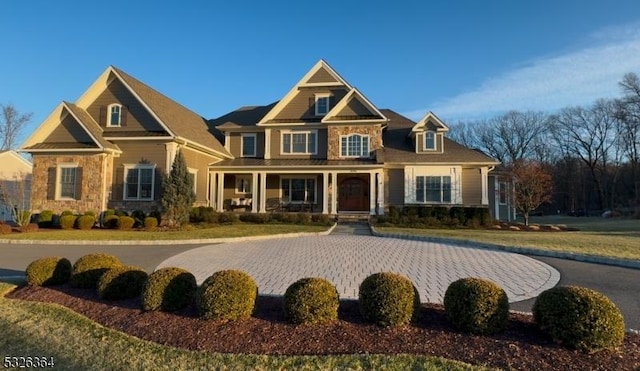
column 324, row 147
column 15, row 183
column 110, row 148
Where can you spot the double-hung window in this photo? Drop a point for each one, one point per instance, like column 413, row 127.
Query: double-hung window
column 248, row 145
column 430, row 141
column 139, row 182
column 115, row 115
column 322, row 104
column 354, row 145
column 433, row 189
column 298, row 190
column 67, row 181
column 300, row 142
column 243, row 184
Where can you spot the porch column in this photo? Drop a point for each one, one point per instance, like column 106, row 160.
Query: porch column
column 325, row 192
column 254, row 192
column 220, row 192
column 263, row 192
column 372, row 193
column 334, row 192
column 380, row 176
column 496, row 198
column 484, row 172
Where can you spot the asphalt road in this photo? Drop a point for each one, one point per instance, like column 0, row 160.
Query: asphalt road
column 619, row 284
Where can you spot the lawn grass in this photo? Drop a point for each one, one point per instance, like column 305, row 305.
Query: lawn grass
column 612, row 238
column 221, row 231
column 77, row 343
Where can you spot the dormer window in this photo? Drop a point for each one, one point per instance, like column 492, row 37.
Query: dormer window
column 322, row 104
column 430, row 141
column 114, row 115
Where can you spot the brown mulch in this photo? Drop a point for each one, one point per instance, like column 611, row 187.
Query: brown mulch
column 522, row 346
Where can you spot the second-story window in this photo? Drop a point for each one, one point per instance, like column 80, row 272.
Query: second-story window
column 249, row 145
column 322, row 104
column 430, row 141
column 354, row 145
column 299, row 142
column 114, row 115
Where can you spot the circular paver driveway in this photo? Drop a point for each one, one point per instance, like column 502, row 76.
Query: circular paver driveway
column 347, row 260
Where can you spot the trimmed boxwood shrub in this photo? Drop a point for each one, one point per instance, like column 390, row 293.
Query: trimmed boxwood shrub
column 45, row 219
column 85, row 222
column 122, row 282
column 579, row 318
column 227, row 295
column 168, row 289
column 388, row 299
column 138, row 217
column 110, row 221
column 125, row 222
column 68, row 221
column 228, row 218
column 150, row 222
column 476, row 305
column 254, row 218
column 48, row 271
column 66, row 212
column 87, row 270
column 311, row 300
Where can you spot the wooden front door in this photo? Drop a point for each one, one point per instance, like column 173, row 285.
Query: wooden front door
column 353, row 195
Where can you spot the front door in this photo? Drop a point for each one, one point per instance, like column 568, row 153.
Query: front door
column 353, row 195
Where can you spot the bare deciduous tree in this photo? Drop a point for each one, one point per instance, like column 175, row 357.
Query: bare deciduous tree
column 11, row 124
column 15, row 194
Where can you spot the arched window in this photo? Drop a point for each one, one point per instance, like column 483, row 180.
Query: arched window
column 430, row 141
column 114, row 112
column 354, row 145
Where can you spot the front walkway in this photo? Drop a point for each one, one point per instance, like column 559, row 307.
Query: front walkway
column 347, row 260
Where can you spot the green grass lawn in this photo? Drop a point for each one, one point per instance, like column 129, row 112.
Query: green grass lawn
column 222, row 231
column 77, row 343
column 614, row 238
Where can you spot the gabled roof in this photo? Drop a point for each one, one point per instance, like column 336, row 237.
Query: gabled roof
column 6, row 155
column 320, row 75
column 334, row 115
column 90, row 125
column 430, row 117
column 399, row 146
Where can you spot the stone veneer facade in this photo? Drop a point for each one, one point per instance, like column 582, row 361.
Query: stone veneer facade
column 374, row 131
column 92, row 187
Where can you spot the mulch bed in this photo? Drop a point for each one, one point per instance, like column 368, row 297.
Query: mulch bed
column 522, row 346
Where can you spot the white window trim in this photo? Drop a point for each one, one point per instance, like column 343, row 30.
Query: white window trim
column 195, row 178
column 305, row 177
column 255, row 144
column 319, row 96
column 363, row 136
column 441, row 202
column 435, row 141
column 109, row 107
column 291, row 132
column 58, row 184
column 248, row 179
column 128, row 167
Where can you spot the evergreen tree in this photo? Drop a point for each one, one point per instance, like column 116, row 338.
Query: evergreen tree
column 177, row 194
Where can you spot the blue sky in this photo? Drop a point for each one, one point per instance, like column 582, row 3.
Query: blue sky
column 460, row 59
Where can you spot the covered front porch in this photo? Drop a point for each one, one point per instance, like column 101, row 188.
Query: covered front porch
column 320, row 189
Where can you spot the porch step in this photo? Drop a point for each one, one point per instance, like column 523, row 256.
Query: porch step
column 352, row 229
column 353, row 218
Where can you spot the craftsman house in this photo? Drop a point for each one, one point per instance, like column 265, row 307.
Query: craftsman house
column 324, row 147
column 15, row 184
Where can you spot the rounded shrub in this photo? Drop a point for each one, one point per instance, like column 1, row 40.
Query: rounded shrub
column 48, row 271
column 388, row 299
column 227, row 295
column 45, row 218
column 87, row 270
column 125, row 222
column 68, row 221
column 122, row 282
column 476, row 305
column 29, row 228
column 311, row 300
column 111, row 221
column 86, row 222
column 579, row 318
column 66, row 212
column 168, row 289
column 151, row 222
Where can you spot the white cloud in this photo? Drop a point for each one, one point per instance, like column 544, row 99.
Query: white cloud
column 547, row 84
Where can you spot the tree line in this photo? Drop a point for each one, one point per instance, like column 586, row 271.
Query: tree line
column 591, row 152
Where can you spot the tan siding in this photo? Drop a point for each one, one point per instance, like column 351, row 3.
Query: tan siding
column 394, row 187
column 420, row 144
column 200, row 162
column 69, row 131
column 322, row 76
column 355, row 108
column 471, row 187
column 134, row 153
column 235, row 143
column 138, row 118
column 302, row 106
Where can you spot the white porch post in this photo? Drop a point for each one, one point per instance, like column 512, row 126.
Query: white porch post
column 484, row 172
column 325, row 192
column 380, row 204
column 254, row 192
column 220, row 192
column 263, row 192
column 372, row 193
column 334, row 193
column 496, row 198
